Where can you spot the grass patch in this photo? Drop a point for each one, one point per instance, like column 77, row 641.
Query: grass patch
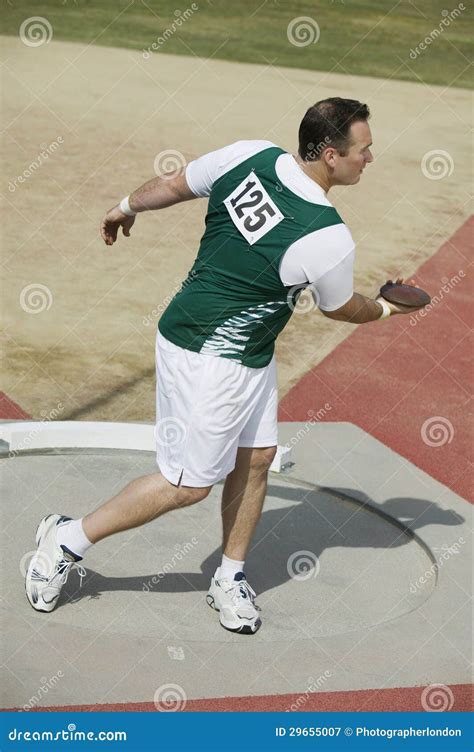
column 360, row 38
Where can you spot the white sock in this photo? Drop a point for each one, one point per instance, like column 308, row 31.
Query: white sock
column 72, row 536
column 230, row 567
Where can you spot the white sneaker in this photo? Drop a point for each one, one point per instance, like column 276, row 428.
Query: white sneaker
column 235, row 601
column 50, row 566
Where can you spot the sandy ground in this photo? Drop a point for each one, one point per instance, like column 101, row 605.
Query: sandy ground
column 82, row 346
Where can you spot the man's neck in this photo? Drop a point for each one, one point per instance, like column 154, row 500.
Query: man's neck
column 314, row 171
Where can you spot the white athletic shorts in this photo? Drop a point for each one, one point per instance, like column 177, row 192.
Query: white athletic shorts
column 207, row 407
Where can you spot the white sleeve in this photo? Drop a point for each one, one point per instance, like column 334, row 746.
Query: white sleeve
column 325, row 259
column 202, row 173
column 336, row 287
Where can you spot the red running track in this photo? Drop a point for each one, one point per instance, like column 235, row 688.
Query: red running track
column 393, row 378
column 364, row 700
column 9, row 410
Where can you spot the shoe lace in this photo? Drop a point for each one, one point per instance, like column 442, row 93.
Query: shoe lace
column 241, row 592
column 63, row 568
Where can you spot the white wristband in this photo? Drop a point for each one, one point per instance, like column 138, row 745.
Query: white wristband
column 386, row 310
column 125, row 207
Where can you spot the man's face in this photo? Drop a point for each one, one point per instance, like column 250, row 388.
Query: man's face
column 346, row 170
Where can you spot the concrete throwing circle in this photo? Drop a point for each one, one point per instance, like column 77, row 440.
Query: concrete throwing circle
column 321, row 563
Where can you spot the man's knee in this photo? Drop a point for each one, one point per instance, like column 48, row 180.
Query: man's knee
column 191, row 495
column 262, row 458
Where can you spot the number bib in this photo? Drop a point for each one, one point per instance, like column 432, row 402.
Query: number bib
column 252, row 210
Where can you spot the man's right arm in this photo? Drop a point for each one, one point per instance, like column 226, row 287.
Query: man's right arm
column 358, row 310
column 333, row 285
column 332, row 270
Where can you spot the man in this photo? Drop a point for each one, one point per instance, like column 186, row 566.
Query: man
column 270, row 232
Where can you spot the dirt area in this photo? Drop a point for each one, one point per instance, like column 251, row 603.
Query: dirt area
column 84, row 339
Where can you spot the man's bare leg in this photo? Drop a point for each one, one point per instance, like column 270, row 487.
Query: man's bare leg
column 142, row 500
column 242, row 503
column 242, row 499
column 63, row 542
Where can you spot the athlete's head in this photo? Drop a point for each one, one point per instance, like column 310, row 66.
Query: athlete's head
column 335, row 133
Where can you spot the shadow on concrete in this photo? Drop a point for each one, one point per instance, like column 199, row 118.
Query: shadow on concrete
column 322, row 519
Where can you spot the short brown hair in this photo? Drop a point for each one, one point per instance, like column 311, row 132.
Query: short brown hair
column 327, row 123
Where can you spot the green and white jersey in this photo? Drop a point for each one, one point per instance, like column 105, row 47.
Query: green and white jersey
column 270, row 232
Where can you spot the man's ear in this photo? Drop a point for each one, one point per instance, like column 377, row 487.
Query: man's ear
column 329, row 156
